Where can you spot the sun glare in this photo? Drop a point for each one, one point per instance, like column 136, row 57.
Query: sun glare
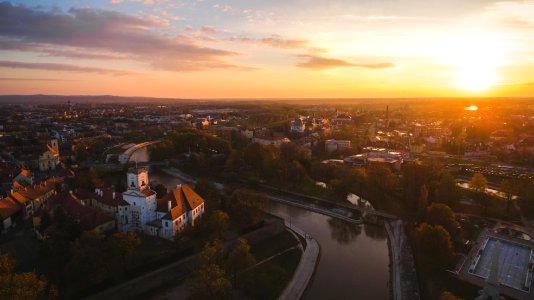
column 475, row 58
column 471, row 108
column 476, row 79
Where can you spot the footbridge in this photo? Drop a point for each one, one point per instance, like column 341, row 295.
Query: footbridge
column 125, row 157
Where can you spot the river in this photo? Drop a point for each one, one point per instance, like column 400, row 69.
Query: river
column 354, row 258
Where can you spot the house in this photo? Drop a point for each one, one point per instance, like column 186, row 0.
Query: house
column 140, row 211
column 49, row 160
column 297, row 126
column 180, row 208
column 336, row 145
column 90, row 219
column 9, row 210
column 33, row 197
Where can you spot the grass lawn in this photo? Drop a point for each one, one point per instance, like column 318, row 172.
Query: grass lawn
column 265, row 281
column 268, row 280
column 273, row 245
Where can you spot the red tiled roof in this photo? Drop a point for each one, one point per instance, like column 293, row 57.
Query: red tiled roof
column 182, row 198
column 8, row 207
column 88, row 217
column 107, row 197
column 148, row 192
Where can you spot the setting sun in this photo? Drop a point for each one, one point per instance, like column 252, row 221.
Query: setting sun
column 476, row 80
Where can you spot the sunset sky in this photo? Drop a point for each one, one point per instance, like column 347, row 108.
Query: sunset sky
column 268, row 49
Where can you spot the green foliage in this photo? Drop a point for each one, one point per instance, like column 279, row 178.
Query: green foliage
column 210, row 281
column 448, row 191
column 160, row 190
column 239, row 259
column 422, row 202
column 210, row 193
column 95, row 257
column 441, row 214
column 478, row 183
column 247, row 209
column 218, row 223
column 22, row 285
column 88, row 179
column 434, row 246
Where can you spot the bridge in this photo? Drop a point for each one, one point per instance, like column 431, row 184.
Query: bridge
column 125, row 157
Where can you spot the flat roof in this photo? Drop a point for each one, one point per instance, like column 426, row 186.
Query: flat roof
column 514, row 261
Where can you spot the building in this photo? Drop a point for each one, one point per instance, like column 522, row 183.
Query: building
column 336, row 145
column 9, row 211
column 32, row 198
column 139, row 210
column 49, row 160
column 297, row 126
column 276, row 141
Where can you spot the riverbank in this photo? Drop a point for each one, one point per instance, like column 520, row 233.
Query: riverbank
column 403, row 280
column 306, row 268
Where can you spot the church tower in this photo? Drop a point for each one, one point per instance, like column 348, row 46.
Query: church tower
column 54, row 145
column 137, row 179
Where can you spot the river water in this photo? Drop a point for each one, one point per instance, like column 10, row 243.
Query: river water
column 354, row 258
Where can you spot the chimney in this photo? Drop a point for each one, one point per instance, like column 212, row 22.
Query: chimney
column 178, row 186
column 169, row 205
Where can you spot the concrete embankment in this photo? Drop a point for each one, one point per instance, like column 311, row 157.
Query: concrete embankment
column 306, row 268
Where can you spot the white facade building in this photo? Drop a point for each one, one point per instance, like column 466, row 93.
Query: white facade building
column 139, row 209
column 49, row 160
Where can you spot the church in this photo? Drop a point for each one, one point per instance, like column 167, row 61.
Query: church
column 139, row 209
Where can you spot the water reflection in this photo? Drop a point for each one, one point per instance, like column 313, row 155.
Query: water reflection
column 344, row 232
column 353, row 264
column 140, row 155
column 371, row 232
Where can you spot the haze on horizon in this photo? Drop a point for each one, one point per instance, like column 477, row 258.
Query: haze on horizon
column 268, row 49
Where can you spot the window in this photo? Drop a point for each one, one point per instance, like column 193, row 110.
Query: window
column 166, row 224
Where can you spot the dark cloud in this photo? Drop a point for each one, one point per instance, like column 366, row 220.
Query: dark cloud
column 320, row 63
column 61, row 67
column 85, row 32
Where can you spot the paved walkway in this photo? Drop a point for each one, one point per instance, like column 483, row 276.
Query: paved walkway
column 302, row 276
column 403, row 277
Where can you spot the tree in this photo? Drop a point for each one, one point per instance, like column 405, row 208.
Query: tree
column 22, row 285
column 240, row 259
column 446, row 295
column 218, row 222
column 422, row 202
column 448, row 191
column 160, row 190
column 478, row 183
column 210, row 193
column 441, row 214
column 381, row 181
column 210, row 281
column 434, row 246
column 508, row 189
column 212, row 253
column 247, row 209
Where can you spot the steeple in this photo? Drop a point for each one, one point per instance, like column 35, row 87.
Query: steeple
column 137, row 179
